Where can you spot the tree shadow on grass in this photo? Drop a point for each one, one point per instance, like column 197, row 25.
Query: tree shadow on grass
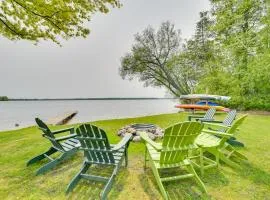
column 214, row 177
column 149, row 185
column 255, row 174
column 179, row 189
column 86, row 189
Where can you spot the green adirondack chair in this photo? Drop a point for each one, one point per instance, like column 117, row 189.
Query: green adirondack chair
column 173, row 152
column 228, row 120
column 98, row 151
column 209, row 116
column 67, row 145
column 218, row 146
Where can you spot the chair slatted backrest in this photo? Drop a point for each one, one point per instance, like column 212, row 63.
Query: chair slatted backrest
column 95, row 144
column 48, row 134
column 210, row 113
column 178, row 139
column 229, row 118
column 232, row 130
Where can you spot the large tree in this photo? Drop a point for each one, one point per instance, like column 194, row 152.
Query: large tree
column 241, row 45
column 48, row 20
column 237, row 24
column 153, row 59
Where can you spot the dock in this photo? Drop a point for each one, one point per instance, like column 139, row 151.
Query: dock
column 63, row 118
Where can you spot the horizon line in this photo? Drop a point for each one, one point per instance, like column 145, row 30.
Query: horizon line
column 92, row 98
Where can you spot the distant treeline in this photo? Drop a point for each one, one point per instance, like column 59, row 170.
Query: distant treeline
column 110, row 98
column 4, row 98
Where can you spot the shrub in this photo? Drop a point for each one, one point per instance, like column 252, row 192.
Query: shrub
column 3, row 98
column 249, row 103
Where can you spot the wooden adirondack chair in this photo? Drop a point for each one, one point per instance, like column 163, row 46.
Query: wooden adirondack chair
column 97, row 150
column 66, row 145
column 209, row 116
column 226, row 122
column 218, row 146
column 173, row 152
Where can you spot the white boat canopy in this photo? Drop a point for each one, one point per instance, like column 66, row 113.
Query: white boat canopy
column 205, row 97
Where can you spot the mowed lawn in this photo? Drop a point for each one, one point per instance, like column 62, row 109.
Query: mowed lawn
column 19, row 182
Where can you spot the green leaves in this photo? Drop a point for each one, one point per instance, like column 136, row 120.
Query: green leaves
column 241, row 41
column 152, row 60
column 48, row 20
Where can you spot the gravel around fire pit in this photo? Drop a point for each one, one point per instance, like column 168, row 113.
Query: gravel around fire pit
column 152, row 130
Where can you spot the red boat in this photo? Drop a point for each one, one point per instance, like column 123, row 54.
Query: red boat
column 201, row 107
column 202, row 102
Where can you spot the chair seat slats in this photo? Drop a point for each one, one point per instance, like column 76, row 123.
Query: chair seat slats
column 94, row 178
column 71, row 143
column 90, row 139
column 207, row 140
column 116, row 161
column 67, row 146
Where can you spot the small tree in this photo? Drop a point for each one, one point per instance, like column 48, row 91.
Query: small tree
column 153, row 60
column 48, row 20
column 3, row 98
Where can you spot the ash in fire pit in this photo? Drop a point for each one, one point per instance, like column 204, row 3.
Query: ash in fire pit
column 152, row 130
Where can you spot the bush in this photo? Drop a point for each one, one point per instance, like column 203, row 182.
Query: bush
column 249, row 103
column 3, row 98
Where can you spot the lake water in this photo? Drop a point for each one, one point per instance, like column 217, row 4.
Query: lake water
column 24, row 112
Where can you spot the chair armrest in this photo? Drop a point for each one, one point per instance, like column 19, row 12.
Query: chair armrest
column 216, row 122
column 216, row 125
column 71, row 130
column 66, row 137
column 194, row 116
column 217, row 133
column 206, row 120
column 145, row 137
column 122, row 143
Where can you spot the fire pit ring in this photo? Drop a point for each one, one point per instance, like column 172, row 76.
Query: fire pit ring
column 154, row 132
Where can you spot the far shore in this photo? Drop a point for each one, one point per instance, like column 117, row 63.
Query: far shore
column 96, row 98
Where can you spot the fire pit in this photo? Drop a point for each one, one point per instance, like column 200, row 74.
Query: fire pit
column 152, row 130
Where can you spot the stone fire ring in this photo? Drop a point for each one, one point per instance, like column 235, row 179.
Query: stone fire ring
column 154, row 132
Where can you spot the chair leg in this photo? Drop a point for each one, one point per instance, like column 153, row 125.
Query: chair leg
column 126, row 157
column 201, row 162
column 235, row 153
column 159, row 182
column 145, row 157
column 41, row 156
column 224, row 158
column 239, row 155
column 55, row 162
column 217, row 159
column 76, row 178
column 108, row 185
column 197, row 178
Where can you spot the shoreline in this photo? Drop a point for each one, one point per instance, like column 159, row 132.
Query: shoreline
column 90, row 99
column 76, row 121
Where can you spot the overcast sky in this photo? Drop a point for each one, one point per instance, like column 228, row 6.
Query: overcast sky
column 89, row 67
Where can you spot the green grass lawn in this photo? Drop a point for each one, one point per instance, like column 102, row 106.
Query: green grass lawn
column 19, row 182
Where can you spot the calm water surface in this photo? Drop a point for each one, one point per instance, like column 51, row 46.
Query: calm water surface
column 24, row 112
